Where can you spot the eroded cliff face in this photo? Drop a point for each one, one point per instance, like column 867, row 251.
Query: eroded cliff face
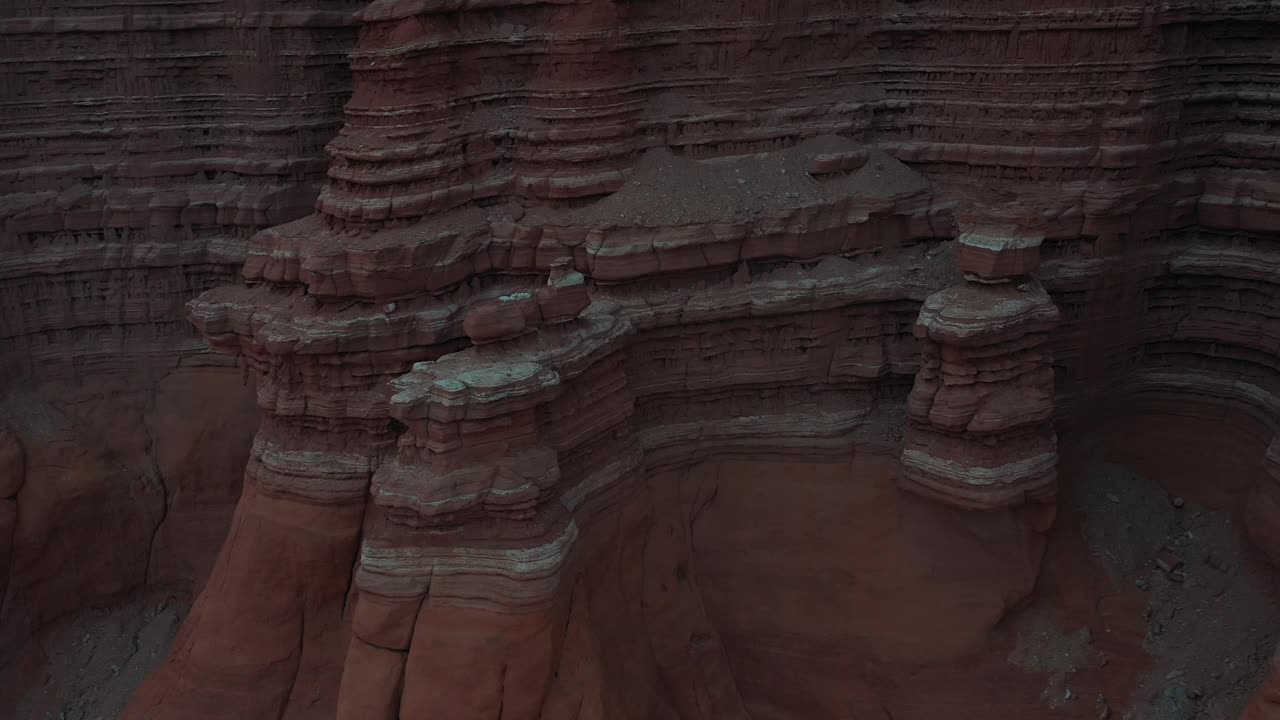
column 601, row 299
column 143, row 144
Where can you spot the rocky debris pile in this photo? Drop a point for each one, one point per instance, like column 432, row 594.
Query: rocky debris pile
column 93, row 660
column 1211, row 625
column 1041, row 646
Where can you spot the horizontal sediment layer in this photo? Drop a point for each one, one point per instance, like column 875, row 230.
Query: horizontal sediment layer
column 143, row 144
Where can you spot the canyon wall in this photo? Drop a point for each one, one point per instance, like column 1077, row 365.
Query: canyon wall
column 144, row 143
column 573, row 259
column 567, row 249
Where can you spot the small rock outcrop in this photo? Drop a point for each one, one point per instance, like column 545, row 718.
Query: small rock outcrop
column 981, row 414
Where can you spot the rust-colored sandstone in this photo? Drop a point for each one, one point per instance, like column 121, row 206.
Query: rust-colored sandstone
column 143, row 143
column 656, row 360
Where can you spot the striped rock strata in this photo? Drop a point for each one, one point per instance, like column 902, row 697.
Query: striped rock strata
column 981, row 412
column 142, row 144
column 459, row 445
column 443, row 415
column 727, row 180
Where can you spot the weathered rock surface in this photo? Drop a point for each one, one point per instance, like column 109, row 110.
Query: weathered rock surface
column 980, row 430
column 753, row 283
column 143, row 143
column 566, row 250
column 479, row 472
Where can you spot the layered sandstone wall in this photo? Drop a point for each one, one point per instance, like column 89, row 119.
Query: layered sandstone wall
column 143, row 143
column 753, row 282
column 565, row 248
column 477, row 470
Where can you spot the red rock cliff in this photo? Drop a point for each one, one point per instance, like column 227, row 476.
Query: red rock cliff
column 143, row 144
column 569, row 253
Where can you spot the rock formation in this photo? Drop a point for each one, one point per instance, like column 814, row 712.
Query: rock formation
column 143, row 144
column 569, row 256
column 467, row 369
column 481, row 431
column 981, row 412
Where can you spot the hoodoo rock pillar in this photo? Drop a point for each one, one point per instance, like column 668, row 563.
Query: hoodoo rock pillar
column 980, row 415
